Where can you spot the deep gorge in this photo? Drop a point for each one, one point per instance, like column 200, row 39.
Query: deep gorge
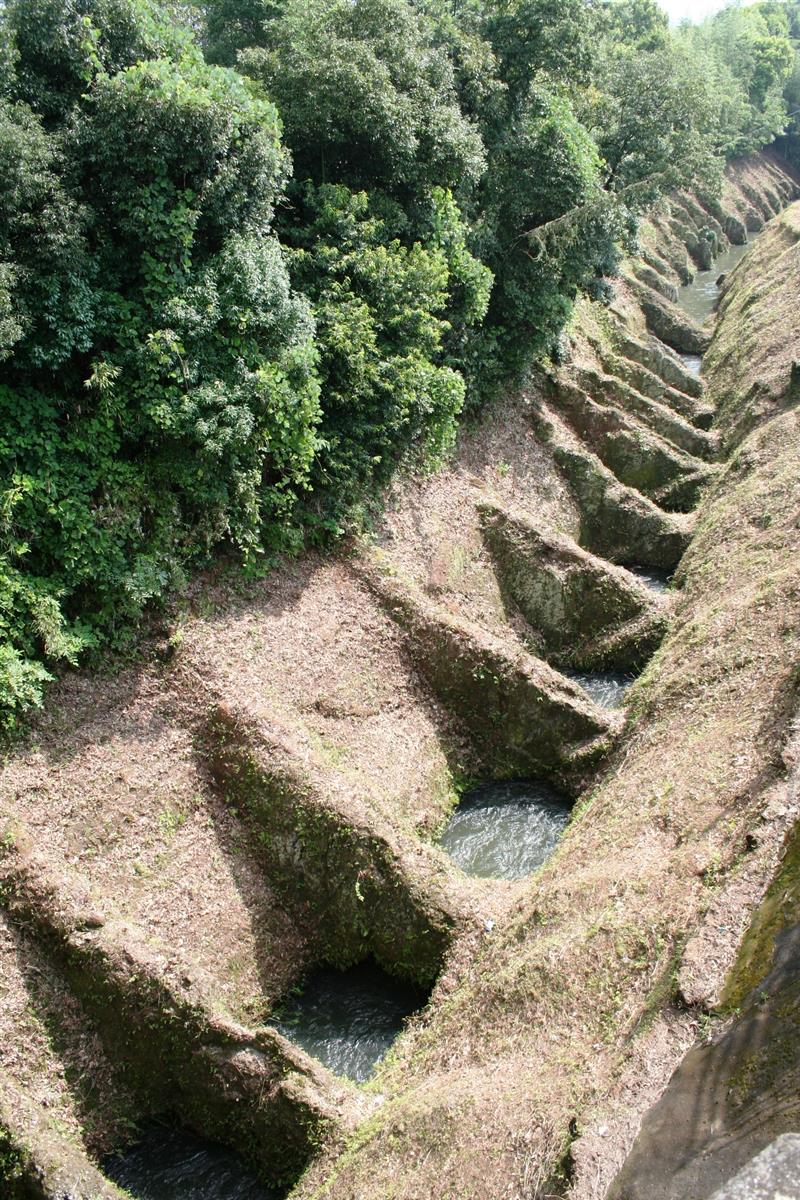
column 399, row 600
column 438, row 650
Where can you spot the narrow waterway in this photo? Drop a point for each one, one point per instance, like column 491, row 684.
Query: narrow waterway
column 505, row 830
column 170, row 1163
column 699, row 298
column 657, row 581
column 349, row 1019
column 606, row 688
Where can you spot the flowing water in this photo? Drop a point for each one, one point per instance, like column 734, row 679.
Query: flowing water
column 173, row 1164
column 349, row 1019
column 692, row 362
column 505, row 830
column 657, row 581
column 606, row 688
column 699, row 298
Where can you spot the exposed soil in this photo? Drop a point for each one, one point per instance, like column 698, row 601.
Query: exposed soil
column 113, row 788
column 432, row 534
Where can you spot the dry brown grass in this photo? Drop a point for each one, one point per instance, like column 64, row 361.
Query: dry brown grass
column 113, row 789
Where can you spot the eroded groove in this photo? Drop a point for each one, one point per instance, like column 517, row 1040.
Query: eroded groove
column 583, row 612
column 524, row 718
column 616, row 522
column 364, row 887
column 657, row 414
column 250, row 1089
column 639, row 458
column 659, row 364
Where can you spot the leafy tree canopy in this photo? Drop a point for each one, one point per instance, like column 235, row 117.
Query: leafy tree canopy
column 365, row 96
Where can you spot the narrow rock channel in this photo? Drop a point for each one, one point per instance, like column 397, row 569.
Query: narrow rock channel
column 503, row 830
column 479, row 828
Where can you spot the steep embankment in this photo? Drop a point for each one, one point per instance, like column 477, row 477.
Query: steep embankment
column 181, row 843
column 734, row 1094
column 570, row 1017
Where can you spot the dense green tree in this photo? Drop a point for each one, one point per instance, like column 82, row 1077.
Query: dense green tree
column 654, row 114
column 380, row 143
column 47, row 294
column 543, row 164
column 159, row 392
column 752, row 65
column 535, row 38
column 642, row 24
column 391, row 318
column 234, row 25
column 366, row 98
column 61, row 45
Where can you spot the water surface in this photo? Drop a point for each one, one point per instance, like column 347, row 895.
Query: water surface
column 505, row 830
column 170, row 1163
column 606, row 688
column 349, row 1019
column 692, row 362
column 657, row 581
column 699, row 297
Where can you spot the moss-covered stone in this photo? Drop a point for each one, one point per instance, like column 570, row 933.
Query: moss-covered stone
column 583, row 612
column 670, row 247
column 655, row 280
column 365, row 888
column 728, row 1099
column 670, row 323
column 639, row 457
column 251, row 1090
column 735, row 230
column 654, row 413
column 659, row 266
column 778, row 912
column 525, row 720
column 660, row 361
column 38, row 1161
column 618, row 523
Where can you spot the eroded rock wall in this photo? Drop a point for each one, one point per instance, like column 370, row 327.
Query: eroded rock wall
column 191, row 836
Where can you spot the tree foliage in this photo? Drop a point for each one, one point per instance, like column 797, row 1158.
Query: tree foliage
column 159, row 393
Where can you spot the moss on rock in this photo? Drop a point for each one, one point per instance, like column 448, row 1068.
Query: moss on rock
column 365, row 888
column 669, row 323
column 38, row 1161
column 584, row 612
column 251, row 1090
column 616, row 522
column 525, row 720
column 639, row 457
column 656, row 413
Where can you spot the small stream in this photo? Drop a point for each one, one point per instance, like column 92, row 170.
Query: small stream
column 606, row 688
column 657, row 581
column 505, row 830
column 699, row 298
column 170, row 1163
column 349, row 1019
